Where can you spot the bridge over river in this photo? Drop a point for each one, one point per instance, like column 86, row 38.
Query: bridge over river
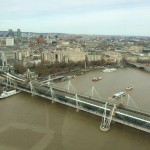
column 146, row 67
column 109, row 111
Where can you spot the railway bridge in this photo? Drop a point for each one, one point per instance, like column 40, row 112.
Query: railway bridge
column 109, row 111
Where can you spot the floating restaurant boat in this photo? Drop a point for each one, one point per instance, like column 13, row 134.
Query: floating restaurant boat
column 96, row 78
column 109, row 70
column 5, row 94
column 129, row 88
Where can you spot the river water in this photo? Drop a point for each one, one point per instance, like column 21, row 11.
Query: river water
column 34, row 123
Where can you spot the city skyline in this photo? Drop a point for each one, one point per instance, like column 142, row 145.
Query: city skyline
column 109, row 17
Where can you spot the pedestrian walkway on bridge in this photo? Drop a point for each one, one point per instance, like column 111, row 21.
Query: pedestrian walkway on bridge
column 102, row 107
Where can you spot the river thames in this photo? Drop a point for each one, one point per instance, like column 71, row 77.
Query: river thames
column 34, row 123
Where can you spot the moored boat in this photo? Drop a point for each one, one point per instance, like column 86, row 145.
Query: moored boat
column 5, row 94
column 109, row 70
column 96, row 78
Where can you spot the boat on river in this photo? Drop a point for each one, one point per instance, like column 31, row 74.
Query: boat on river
column 119, row 95
column 5, row 94
column 96, row 78
column 109, row 70
column 129, row 88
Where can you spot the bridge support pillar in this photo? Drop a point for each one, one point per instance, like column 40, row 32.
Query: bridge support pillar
column 77, row 106
column 106, row 121
column 77, row 110
column 32, row 88
column 52, row 95
column 52, row 102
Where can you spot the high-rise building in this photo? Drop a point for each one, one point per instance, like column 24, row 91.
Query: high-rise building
column 18, row 34
column 10, row 33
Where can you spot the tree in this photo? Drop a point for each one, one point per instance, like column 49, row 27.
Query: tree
column 19, row 68
column 41, row 70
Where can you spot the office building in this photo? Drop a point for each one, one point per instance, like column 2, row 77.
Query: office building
column 9, row 41
column 18, row 34
column 10, row 33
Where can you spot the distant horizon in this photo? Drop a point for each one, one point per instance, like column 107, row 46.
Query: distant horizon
column 76, row 33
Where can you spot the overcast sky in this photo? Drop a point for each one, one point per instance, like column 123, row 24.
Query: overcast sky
column 103, row 17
